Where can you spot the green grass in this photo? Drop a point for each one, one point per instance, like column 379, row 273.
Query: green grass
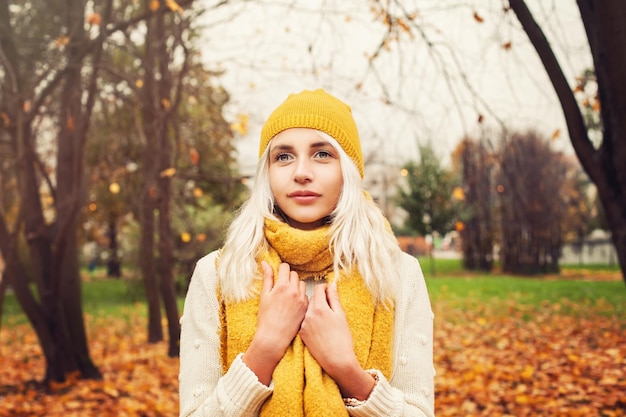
column 448, row 282
column 443, row 266
column 574, row 296
column 436, row 266
column 109, row 296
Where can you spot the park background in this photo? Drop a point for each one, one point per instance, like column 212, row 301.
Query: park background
column 129, row 136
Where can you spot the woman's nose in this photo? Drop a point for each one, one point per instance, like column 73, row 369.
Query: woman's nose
column 303, row 171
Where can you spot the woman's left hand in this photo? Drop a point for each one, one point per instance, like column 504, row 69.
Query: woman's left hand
column 326, row 334
column 325, row 330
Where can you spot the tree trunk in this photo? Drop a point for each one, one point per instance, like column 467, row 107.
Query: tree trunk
column 147, row 259
column 147, row 263
column 168, row 287
column 67, row 322
column 4, row 284
column 57, row 316
column 604, row 23
column 16, row 276
column 70, row 299
column 114, row 269
column 166, row 255
column 606, row 33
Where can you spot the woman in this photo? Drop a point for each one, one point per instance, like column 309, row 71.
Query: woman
column 310, row 308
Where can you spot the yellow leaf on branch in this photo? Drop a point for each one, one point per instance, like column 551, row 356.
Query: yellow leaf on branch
column 61, row 41
column 169, row 172
column 173, row 6
column 458, row 194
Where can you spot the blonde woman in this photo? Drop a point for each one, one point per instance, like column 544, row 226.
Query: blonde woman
column 310, row 308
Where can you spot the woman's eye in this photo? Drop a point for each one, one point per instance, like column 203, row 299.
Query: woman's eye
column 282, row 157
column 323, row 154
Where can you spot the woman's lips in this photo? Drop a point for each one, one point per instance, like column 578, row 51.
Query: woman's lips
column 303, row 197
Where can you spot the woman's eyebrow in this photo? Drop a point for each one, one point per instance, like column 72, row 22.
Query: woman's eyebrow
column 320, row 144
column 284, row 147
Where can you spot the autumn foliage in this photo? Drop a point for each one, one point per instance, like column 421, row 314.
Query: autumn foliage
column 500, row 359
column 529, row 361
column 139, row 378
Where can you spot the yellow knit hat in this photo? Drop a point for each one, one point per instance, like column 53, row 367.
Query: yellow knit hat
column 316, row 110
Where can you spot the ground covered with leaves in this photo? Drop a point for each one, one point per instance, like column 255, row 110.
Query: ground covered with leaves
column 492, row 359
column 530, row 361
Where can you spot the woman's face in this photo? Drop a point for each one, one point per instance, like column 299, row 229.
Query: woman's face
column 305, row 177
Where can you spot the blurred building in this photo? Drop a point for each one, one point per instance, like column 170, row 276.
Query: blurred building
column 596, row 248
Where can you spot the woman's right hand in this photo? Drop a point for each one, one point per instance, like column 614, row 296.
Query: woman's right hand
column 282, row 307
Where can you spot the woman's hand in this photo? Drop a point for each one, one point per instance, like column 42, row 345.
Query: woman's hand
column 326, row 334
column 281, row 310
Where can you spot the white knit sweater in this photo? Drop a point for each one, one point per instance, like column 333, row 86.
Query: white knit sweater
column 205, row 391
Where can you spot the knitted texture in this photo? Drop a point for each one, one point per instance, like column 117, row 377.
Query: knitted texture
column 316, row 110
column 301, row 387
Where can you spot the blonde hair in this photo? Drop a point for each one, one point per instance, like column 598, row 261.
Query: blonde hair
column 359, row 235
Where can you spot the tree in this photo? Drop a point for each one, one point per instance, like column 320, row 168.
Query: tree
column 521, row 199
column 51, row 53
column 477, row 166
column 48, row 87
column 428, row 196
column 531, row 184
column 604, row 163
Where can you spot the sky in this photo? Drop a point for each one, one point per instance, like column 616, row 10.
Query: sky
column 429, row 85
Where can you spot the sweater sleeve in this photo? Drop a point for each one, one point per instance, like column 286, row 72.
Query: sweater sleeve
column 203, row 390
column 410, row 391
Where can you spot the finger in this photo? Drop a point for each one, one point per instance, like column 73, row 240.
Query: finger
column 293, row 277
column 268, row 277
column 283, row 273
column 332, row 296
column 303, row 295
column 319, row 294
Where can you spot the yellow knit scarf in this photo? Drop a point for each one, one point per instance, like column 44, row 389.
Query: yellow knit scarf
column 301, row 387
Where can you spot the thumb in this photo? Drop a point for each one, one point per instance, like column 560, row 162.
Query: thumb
column 268, row 277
